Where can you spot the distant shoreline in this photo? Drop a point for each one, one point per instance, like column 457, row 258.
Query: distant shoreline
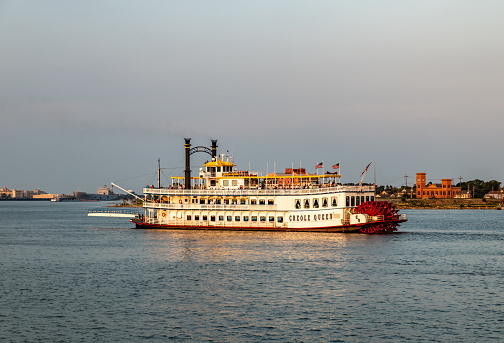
column 1, row 199
column 409, row 204
column 446, row 204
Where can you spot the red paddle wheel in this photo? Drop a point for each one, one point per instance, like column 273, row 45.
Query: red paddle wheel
column 383, row 212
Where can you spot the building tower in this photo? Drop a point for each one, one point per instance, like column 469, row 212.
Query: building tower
column 447, row 188
column 420, row 183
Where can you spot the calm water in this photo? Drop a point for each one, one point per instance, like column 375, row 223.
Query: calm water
column 66, row 277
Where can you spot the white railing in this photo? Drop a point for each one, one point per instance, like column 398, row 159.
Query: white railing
column 257, row 192
column 205, row 207
column 132, row 211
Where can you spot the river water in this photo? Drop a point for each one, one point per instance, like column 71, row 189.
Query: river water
column 66, row 277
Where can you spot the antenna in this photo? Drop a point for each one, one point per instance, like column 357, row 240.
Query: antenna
column 406, row 189
column 158, row 173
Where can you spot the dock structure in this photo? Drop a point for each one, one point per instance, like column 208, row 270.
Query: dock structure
column 119, row 213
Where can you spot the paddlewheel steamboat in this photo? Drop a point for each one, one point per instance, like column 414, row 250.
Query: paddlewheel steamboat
column 222, row 197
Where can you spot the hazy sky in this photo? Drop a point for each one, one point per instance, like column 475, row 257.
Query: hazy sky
column 96, row 91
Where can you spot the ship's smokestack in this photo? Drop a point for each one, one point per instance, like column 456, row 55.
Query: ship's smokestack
column 214, row 148
column 187, row 146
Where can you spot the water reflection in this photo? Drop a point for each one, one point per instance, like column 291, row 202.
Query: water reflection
column 240, row 246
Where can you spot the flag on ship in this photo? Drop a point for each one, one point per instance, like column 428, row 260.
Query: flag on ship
column 336, row 166
column 365, row 169
column 320, row 165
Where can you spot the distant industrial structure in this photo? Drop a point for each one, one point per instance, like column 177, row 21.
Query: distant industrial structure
column 103, row 193
column 21, row 194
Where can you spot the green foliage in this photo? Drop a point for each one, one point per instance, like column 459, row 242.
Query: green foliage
column 479, row 188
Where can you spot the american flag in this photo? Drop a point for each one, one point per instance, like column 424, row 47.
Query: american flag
column 336, row 166
column 320, row 165
column 365, row 169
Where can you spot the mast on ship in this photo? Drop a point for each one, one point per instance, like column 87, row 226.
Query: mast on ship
column 159, row 173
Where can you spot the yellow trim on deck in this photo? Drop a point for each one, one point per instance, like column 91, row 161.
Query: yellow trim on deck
column 219, row 163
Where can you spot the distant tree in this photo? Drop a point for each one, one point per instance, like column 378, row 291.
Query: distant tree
column 492, row 185
column 479, row 188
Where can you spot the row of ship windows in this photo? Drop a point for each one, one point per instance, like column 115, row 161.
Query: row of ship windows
column 315, row 203
column 233, row 201
column 357, row 200
column 233, row 182
column 236, row 218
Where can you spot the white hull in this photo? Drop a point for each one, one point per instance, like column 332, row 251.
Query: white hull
column 318, row 209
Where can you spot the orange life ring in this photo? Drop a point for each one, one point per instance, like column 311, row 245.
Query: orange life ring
column 163, row 214
column 180, row 201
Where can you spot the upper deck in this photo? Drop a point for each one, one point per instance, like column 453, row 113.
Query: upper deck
column 259, row 191
column 218, row 177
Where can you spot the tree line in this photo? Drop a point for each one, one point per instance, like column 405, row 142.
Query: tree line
column 478, row 188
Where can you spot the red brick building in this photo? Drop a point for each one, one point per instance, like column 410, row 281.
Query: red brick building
column 444, row 190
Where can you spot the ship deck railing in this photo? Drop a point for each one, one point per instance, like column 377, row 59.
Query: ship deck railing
column 209, row 207
column 258, row 191
column 109, row 212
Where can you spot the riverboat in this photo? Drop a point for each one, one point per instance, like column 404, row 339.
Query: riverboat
column 224, row 198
